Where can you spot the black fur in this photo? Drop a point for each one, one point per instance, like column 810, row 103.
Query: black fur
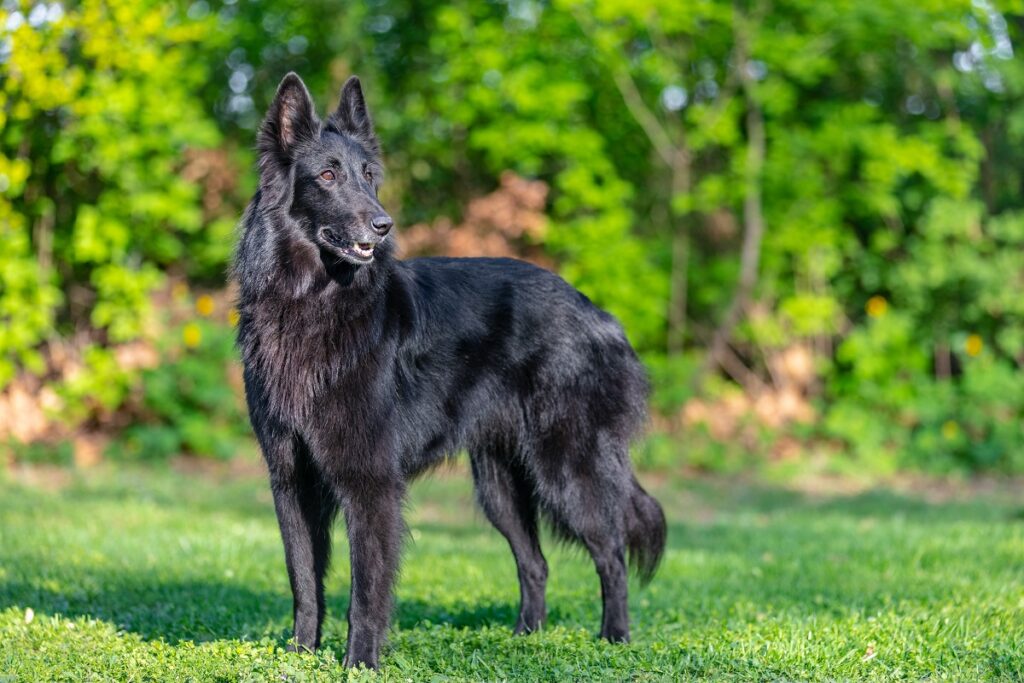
column 362, row 372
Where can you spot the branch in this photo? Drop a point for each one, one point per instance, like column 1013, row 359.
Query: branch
column 733, row 365
column 644, row 116
column 652, row 127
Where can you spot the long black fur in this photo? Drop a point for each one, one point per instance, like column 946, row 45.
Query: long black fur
column 362, row 372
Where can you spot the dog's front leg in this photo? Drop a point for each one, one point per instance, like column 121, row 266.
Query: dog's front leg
column 305, row 510
column 373, row 515
column 305, row 507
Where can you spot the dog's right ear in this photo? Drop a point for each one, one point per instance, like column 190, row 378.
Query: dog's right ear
column 290, row 119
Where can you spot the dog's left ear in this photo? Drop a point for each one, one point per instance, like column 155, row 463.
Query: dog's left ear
column 351, row 115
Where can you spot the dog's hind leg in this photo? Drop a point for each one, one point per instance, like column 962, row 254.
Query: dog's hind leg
column 610, row 560
column 507, row 499
column 583, row 491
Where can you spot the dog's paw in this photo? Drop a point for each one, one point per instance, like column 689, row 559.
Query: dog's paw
column 356, row 661
column 615, row 634
column 527, row 625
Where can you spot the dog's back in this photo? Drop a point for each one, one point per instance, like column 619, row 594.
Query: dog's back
column 499, row 343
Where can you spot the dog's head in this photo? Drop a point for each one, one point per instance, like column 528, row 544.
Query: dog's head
column 325, row 173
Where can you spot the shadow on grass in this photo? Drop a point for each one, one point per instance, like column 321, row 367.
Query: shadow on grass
column 175, row 612
column 203, row 611
column 802, row 568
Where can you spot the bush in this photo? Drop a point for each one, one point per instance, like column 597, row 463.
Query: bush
column 191, row 401
column 97, row 112
column 877, row 143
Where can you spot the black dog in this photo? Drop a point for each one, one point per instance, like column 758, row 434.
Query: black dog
column 361, row 371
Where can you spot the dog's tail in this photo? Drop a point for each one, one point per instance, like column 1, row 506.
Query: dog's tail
column 645, row 532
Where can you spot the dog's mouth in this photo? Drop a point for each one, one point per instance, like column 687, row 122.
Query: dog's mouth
column 359, row 253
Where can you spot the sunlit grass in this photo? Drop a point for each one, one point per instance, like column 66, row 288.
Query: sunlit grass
column 136, row 575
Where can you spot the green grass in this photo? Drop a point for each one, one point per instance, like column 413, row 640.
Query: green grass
column 153, row 575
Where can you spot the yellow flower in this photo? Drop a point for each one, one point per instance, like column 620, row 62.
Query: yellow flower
column 191, row 335
column 233, row 316
column 877, row 306
column 204, row 305
column 973, row 345
column 950, row 430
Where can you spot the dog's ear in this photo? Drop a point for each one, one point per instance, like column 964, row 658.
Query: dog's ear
column 351, row 116
column 290, row 119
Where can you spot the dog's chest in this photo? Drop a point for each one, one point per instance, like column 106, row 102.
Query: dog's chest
column 299, row 355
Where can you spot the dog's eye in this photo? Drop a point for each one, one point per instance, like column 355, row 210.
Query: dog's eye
column 327, row 175
column 368, row 174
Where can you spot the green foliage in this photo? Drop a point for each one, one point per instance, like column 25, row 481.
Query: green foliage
column 888, row 173
column 151, row 575
column 188, row 401
column 99, row 387
column 669, row 377
column 40, row 453
column 97, row 110
column 951, row 309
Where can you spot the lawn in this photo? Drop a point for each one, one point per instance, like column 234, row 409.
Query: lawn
column 132, row 574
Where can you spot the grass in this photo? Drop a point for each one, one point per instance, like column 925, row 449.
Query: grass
column 155, row 575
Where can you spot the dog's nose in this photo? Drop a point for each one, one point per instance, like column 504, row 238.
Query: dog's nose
column 381, row 224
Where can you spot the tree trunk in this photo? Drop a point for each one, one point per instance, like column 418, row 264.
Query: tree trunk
column 753, row 222
column 679, row 272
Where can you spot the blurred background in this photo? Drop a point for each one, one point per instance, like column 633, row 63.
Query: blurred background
column 808, row 215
